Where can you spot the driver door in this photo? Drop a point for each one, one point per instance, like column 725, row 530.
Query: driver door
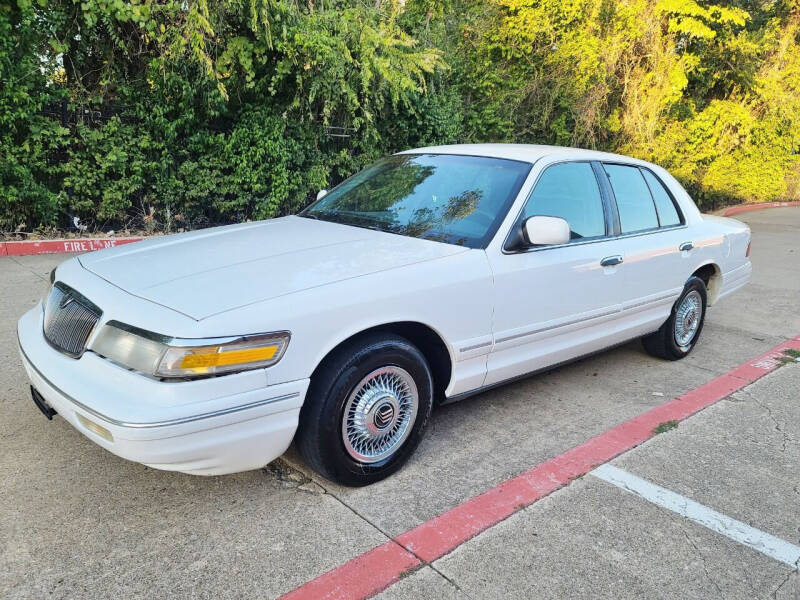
column 553, row 303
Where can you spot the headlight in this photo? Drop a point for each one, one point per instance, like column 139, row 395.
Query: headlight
column 167, row 357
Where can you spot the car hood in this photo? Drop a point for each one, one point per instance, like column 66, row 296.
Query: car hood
column 207, row 272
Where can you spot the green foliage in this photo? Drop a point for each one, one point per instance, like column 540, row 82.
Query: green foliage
column 183, row 114
column 223, row 107
column 707, row 90
column 29, row 142
column 665, row 427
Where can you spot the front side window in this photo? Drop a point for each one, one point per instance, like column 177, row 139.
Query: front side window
column 442, row 197
column 634, row 202
column 570, row 191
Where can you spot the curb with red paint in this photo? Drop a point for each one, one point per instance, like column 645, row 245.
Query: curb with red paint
column 375, row 570
column 734, row 210
column 62, row 246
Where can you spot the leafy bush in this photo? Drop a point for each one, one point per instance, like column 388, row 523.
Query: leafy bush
column 166, row 115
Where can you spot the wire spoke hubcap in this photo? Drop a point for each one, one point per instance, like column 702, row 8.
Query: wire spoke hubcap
column 687, row 318
column 379, row 414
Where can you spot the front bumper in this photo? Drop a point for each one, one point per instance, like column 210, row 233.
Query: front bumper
column 204, row 427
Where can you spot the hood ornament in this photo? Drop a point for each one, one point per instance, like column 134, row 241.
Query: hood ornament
column 67, row 299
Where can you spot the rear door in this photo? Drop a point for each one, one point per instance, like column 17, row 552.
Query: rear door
column 651, row 234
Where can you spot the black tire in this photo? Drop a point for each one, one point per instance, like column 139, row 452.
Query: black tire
column 320, row 437
column 663, row 343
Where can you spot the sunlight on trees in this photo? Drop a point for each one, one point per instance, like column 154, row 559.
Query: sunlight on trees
column 178, row 114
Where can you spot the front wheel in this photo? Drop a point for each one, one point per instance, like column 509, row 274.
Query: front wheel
column 677, row 336
column 366, row 410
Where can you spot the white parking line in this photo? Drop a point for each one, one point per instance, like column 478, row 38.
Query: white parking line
column 736, row 530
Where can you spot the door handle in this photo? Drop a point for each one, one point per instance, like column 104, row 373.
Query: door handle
column 610, row 261
column 686, row 246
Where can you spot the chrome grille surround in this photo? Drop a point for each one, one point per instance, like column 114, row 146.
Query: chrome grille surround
column 69, row 319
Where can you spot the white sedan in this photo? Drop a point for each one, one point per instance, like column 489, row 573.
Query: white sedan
column 431, row 275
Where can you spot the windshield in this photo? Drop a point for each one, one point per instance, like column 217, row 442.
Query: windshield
column 442, row 197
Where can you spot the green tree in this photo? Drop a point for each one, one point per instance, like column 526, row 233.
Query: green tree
column 167, row 114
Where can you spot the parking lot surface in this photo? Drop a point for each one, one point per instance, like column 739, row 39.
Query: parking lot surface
column 77, row 521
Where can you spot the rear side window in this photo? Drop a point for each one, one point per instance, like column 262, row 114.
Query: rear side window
column 667, row 213
column 570, row 191
column 634, row 202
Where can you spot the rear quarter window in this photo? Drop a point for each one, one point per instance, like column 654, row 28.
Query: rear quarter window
column 667, row 213
column 637, row 211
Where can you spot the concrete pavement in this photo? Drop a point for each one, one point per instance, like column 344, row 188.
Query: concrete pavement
column 76, row 521
column 592, row 539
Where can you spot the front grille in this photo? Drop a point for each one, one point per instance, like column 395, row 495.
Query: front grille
column 69, row 319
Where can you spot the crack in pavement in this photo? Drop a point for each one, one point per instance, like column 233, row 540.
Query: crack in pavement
column 702, row 560
column 778, row 425
column 748, row 333
column 783, row 583
column 27, row 268
column 284, row 471
column 450, row 581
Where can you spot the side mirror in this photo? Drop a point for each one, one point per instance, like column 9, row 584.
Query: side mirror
column 546, row 231
column 321, row 194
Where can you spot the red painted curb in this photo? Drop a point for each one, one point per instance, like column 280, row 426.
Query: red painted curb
column 369, row 573
column 748, row 207
column 361, row 577
column 61, row 246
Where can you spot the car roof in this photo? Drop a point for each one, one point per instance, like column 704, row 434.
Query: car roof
column 524, row 152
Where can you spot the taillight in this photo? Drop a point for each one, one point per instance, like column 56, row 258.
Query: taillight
column 747, row 252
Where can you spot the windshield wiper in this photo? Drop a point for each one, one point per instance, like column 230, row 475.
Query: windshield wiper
column 354, row 220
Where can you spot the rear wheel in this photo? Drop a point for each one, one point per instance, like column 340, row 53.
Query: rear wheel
column 366, row 410
column 677, row 336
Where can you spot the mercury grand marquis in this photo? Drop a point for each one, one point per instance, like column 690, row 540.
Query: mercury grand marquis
column 431, row 275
